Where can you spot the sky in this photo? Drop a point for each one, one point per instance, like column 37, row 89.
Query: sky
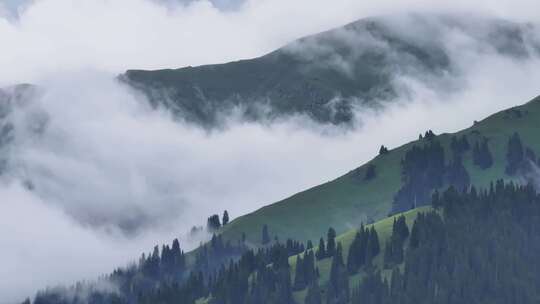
column 115, row 177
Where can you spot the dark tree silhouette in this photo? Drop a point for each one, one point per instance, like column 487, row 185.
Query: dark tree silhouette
column 225, row 220
column 265, row 235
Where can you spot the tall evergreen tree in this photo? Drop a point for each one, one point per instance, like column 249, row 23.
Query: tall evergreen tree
column 300, row 275
column 429, row 135
column 457, row 175
column 310, row 274
column 331, row 242
column 482, row 156
column 394, row 251
column 459, row 146
column 338, row 285
column 487, row 157
column 321, row 250
column 355, row 251
column 213, row 223
column 423, row 170
column 388, row 254
column 225, row 220
column 370, row 172
column 314, row 295
column 265, row 235
column 400, row 227
column 373, row 242
column 515, row 155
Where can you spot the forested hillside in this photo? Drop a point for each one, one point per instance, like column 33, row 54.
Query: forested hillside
column 472, row 242
column 269, row 152
column 401, row 178
column 475, row 246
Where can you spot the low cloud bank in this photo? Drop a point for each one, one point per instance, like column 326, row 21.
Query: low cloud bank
column 110, row 177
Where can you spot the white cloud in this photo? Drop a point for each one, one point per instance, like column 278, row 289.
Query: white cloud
column 56, row 35
column 106, row 161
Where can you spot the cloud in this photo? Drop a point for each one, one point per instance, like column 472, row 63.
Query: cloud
column 44, row 245
column 112, row 177
column 64, row 35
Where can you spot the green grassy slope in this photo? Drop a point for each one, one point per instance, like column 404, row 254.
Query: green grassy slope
column 348, row 200
column 384, row 230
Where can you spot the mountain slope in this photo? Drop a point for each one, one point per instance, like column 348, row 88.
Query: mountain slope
column 341, row 204
column 325, row 75
column 350, row 199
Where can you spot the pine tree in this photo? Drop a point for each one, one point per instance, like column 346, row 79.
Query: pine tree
column 213, row 223
column 457, row 174
column 358, row 250
column 265, row 235
column 388, row 254
column 370, row 173
column 283, row 292
column 423, row 170
column 486, row 155
column 313, row 294
column 464, row 143
column 459, row 146
column 430, row 135
column 514, row 155
column 415, row 234
column 482, row 156
column 396, row 284
column 397, row 250
column 299, row 275
column 225, row 220
column 310, row 274
column 338, row 285
column 436, row 199
column 353, row 258
column 400, row 227
column 393, row 251
column 331, row 242
column 321, row 250
column 373, row 242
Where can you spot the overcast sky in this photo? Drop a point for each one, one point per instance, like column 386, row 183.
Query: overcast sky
column 60, row 35
column 106, row 156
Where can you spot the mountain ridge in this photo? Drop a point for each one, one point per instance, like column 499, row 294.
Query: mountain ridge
column 349, row 209
column 326, row 75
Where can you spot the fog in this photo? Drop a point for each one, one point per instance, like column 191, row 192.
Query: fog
column 111, row 177
column 65, row 35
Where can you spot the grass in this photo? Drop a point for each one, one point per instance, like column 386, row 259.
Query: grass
column 349, row 200
column 384, row 230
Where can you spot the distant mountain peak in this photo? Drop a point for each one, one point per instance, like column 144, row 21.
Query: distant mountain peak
column 327, row 75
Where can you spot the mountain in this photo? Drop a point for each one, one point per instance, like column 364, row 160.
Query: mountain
column 421, row 223
column 477, row 244
column 434, row 242
column 327, row 75
column 351, row 199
